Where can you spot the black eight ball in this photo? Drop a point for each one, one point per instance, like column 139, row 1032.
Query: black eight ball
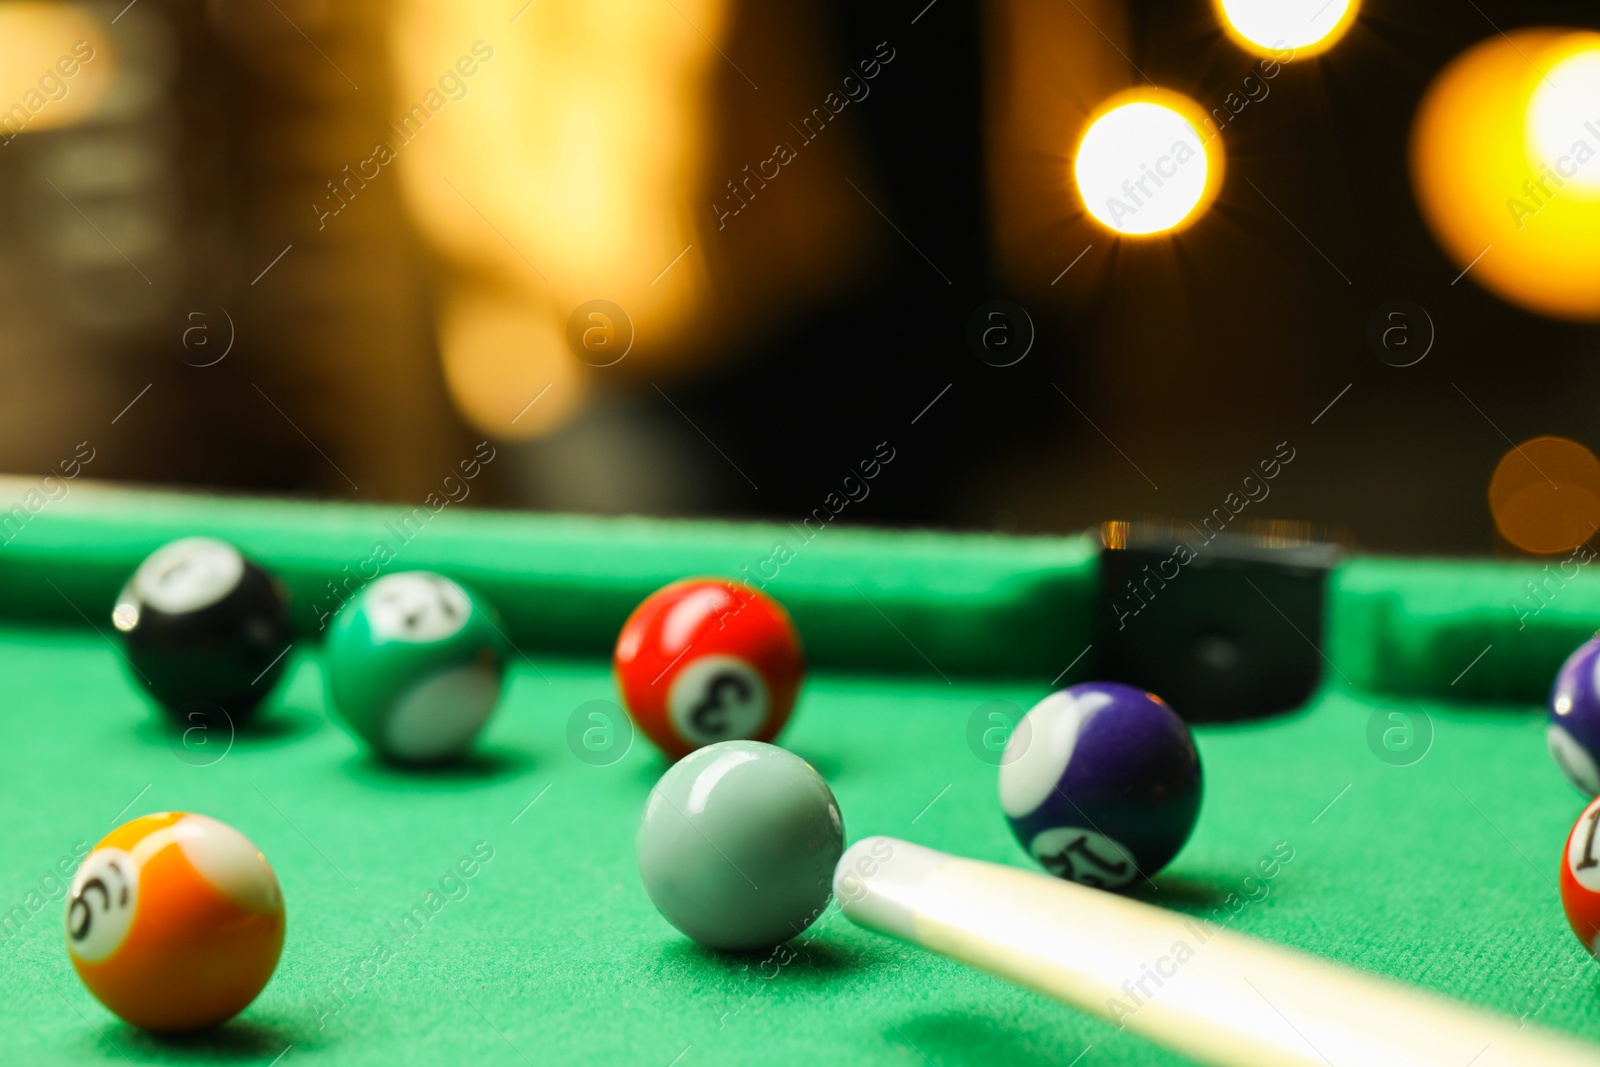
column 205, row 629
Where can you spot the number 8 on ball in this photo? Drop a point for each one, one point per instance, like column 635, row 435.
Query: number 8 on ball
column 705, row 660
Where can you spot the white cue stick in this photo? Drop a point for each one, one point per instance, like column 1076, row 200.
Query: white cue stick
column 1219, row 997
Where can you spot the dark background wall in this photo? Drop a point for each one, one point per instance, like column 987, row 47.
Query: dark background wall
column 1160, row 375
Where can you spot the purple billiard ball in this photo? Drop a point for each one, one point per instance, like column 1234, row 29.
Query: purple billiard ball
column 1574, row 733
column 1101, row 783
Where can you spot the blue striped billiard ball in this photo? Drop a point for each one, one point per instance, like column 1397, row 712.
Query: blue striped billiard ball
column 1574, row 733
column 1101, row 783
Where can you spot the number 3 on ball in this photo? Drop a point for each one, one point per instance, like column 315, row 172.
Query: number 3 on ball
column 706, row 660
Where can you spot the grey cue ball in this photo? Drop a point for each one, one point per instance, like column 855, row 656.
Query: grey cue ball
column 738, row 844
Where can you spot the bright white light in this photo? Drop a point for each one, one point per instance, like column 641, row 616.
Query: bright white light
column 1564, row 122
column 1142, row 168
column 1278, row 25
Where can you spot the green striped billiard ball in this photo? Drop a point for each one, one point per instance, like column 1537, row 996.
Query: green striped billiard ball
column 415, row 666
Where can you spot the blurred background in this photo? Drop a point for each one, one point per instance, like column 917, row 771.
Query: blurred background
column 726, row 257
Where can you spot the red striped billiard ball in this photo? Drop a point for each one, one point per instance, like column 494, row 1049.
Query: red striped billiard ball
column 1580, row 877
column 705, row 660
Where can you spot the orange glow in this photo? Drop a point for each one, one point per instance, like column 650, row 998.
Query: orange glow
column 55, row 65
column 1044, row 75
column 1564, row 115
column 507, row 364
column 1145, row 165
column 1273, row 27
column 1114, row 534
column 1545, row 495
column 566, row 167
column 1527, row 224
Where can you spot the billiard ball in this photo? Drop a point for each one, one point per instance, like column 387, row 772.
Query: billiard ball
column 1101, row 783
column 738, row 844
column 175, row 921
column 1580, row 878
column 705, row 660
column 415, row 666
column 203, row 628
column 1574, row 731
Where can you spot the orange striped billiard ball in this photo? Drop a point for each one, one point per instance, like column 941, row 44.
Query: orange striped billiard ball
column 175, row 921
column 705, row 660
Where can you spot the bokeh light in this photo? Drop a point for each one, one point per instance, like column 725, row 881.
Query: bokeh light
column 569, row 170
column 39, row 44
column 1144, row 167
column 1564, row 120
column 1545, row 495
column 1496, row 202
column 507, row 364
column 1272, row 27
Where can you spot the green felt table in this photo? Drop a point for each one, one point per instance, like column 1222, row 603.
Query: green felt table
column 1440, row 874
